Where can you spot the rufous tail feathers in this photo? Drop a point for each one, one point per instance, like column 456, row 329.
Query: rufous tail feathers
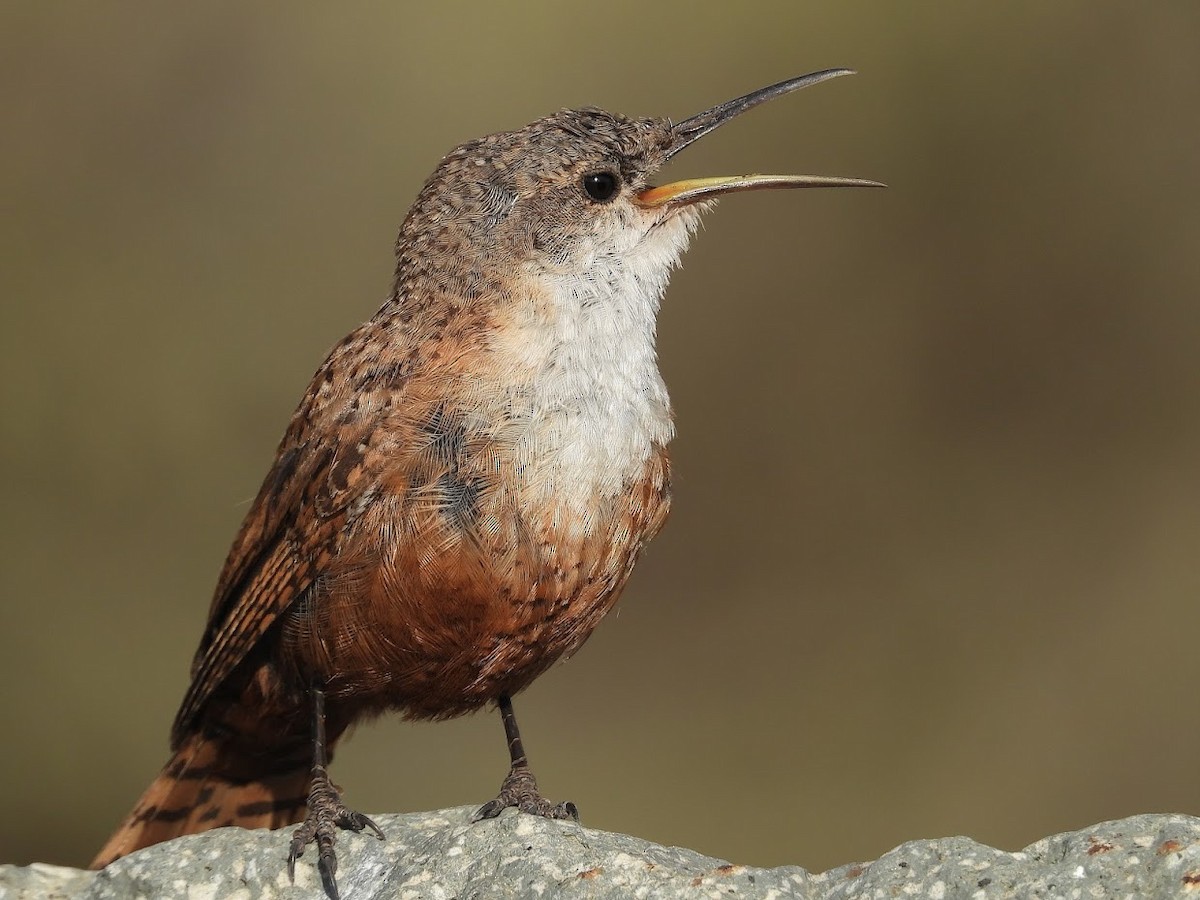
column 191, row 795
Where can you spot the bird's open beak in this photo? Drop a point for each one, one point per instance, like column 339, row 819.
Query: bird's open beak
column 681, row 193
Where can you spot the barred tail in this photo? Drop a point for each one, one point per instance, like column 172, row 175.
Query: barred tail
column 192, row 794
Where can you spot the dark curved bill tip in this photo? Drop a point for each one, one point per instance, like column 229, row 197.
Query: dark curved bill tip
column 694, row 128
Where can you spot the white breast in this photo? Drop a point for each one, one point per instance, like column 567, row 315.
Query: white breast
column 589, row 401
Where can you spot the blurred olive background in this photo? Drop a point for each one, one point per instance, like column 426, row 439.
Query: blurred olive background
column 933, row 563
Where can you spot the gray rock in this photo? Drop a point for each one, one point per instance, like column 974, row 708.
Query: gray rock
column 440, row 856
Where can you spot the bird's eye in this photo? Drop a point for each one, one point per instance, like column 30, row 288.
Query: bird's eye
column 601, row 186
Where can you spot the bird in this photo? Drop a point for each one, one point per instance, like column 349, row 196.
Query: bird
column 467, row 483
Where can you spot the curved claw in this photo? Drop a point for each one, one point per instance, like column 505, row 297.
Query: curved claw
column 326, row 814
column 356, row 822
column 567, row 810
column 520, row 790
column 327, row 865
column 489, row 810
column 301, row 838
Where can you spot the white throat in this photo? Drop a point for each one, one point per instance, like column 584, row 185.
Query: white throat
column 589, row 383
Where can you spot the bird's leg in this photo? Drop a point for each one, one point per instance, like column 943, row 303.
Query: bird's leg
column 326, row 812
column 520, row 787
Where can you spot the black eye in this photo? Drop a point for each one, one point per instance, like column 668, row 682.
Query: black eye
column 601, row 186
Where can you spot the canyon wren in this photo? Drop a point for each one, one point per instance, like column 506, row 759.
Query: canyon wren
column 465, row 487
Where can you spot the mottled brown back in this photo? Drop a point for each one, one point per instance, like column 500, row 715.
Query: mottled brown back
column 464, row 489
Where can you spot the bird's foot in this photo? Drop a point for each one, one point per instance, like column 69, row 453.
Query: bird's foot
column 326, row 814
column 520, row 790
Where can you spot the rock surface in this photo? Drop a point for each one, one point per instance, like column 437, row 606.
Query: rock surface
column 439, row 856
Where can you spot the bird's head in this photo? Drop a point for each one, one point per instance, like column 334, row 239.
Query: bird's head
column 573, row 193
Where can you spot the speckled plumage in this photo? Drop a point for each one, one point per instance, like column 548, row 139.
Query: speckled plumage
column 465, row 487
column 465, row 463
column 469, row 480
